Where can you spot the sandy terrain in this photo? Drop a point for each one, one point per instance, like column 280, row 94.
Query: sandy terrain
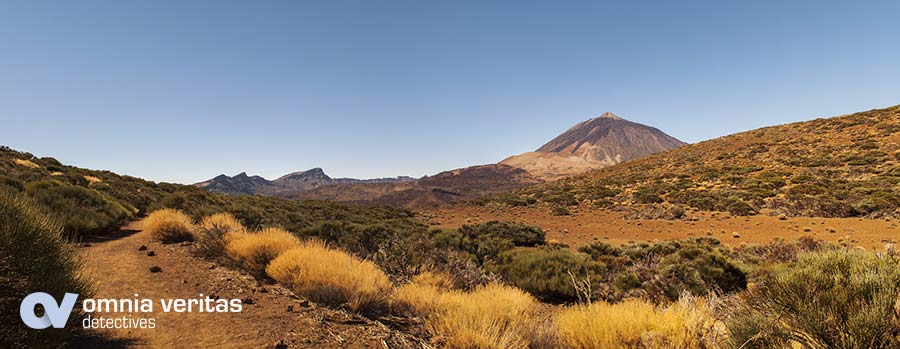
column 584, row 226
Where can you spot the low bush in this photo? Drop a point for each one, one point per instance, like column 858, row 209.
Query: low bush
column 215, row 232
column 663, row 271
column 80, row 210
column 560, row 211
column 331, row 277
column 363, row 240
column 637, row 324
column 738, row 207
column 254, row 251
column 34, row 256
column 831, row 299
column 698, row 270
column 647, row 197
column 547, row 272
column 168, row 226
column 485, row 241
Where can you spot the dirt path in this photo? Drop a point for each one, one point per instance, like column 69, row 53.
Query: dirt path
column 271, row 314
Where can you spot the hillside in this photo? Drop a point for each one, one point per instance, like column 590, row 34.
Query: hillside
column 595, row 143
column 86, row 201
column 843, row 166
column 96, row 201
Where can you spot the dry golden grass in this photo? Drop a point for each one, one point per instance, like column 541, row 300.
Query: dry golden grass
column 168, row 225
column 92, row 180
column 56, row 173
column 255, row 251
column 216, row 231
column 26, row 163
column 492, row 316
column 331, row 277
column 421, row 297
column 638, row 324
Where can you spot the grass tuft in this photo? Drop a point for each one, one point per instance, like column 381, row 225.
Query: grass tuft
column 491, row 316
column 254, row 251
column 636, row 324
column 332, row 277
column 422, row 295
column 168, row 225
column 215, row 232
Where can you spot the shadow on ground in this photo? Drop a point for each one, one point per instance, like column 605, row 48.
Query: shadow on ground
column 99, row 238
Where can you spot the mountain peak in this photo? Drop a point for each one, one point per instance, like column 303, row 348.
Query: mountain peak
column 310, row 174
column 317, row 171
column 598, row 142
column 610, row 115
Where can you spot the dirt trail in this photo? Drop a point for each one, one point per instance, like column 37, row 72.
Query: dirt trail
column 120, row 270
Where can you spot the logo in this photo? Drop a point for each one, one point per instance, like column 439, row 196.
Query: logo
column 55, row 315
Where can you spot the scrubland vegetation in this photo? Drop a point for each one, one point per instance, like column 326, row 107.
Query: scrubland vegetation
column 489, row 285
column 82, row 201
column 846, row 166
column 34, row 256
column 673, row 294
column 832, row 299
column 81, row 210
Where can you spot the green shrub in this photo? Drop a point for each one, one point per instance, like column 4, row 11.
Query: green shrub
column 363, row 240
column 647, row 197
column 598, row 250
column 698, row 270
column 738, row 207
column 544, row 271
column 485, row 241
column 81, row 210
column 11, row 183
column 832, row 299
column 560, row 211
column 663, row 271
column 34, row 256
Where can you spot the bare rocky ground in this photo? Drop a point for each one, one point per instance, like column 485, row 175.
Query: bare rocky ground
column 584, row 226
column 272, row 316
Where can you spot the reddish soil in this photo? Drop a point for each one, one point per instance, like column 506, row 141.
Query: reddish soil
column 119, row 270
column 585, row 226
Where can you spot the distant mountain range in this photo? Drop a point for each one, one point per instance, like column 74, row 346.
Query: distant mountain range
column 596, row 143
column 289, row 183
column 448, row 186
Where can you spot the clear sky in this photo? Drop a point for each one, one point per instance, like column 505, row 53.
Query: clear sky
column 184, row 90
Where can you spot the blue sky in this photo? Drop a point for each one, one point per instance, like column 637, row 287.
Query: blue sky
column 184, row 90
